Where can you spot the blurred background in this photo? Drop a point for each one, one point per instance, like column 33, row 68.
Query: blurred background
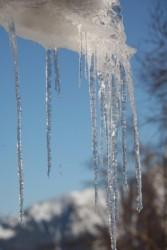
column 60, row 210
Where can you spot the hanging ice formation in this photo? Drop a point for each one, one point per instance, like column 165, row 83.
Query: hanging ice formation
column 48, row 106
column 93, row 28
column 13, row 43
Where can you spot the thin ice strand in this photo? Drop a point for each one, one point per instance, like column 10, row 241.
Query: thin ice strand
column 48, row 101
column 14, row 49
column 136, row 140
column 92, row 93
column 80, row 56
column 57, row 71
column 124, row 124
column 110, row 179
column 86, row 57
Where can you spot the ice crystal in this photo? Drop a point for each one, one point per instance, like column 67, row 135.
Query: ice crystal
column 93, row 28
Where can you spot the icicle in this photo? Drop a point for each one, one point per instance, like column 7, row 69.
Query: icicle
column 112, row 213
column 86, row 57
column 111, row 196
column 13, row 43
column 103, row 33
column 80, row 56
column 106, row 92
column 111, row 97
column 124, row 128
column 124, row 123
column 48, row 107
column 92, row 93
column 114, row 164
column 136, row 139
column 57, row 71
column 102, row 121
column 114, row 129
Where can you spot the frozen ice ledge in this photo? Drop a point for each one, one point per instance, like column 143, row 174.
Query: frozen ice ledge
column 56, row 23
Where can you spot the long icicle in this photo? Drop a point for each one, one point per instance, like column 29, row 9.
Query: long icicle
column 86, row 57
column 136, row 138
column 114, row 163
column 80, row 71
column 111, row 195
column 115, row 128
column 92, row 93
column 124, row 123
column 102, row 122
column 48, row 107
column 14, row 49
column 57, row 71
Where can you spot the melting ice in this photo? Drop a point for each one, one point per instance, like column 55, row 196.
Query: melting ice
column 94, row 29
column 13, row 43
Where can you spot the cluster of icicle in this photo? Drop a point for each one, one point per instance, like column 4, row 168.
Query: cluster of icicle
column 110, row 88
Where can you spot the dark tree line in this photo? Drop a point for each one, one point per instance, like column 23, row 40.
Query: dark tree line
column 154, row 70
column 155, row 76
column 148, row 230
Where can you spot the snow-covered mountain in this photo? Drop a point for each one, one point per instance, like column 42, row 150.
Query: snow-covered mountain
column 72, row 223
column 57, row 224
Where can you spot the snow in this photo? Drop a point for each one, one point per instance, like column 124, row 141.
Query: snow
column 6, row 233
column 70, row 219
column 83, row 200
column 74, row 213
column 54, row 23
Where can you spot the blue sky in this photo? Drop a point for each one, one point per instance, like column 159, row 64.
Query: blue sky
column 71, row 117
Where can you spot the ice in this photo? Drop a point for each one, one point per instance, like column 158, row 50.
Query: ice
column 13, row 43
column 48, row 107
column 54, row 23
column 86, row 57
column 102, row 124
column 136, row 139
column 57, row 71
column 94, row 29
column 124, row 123
column 81, row 55
column 93, row 105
